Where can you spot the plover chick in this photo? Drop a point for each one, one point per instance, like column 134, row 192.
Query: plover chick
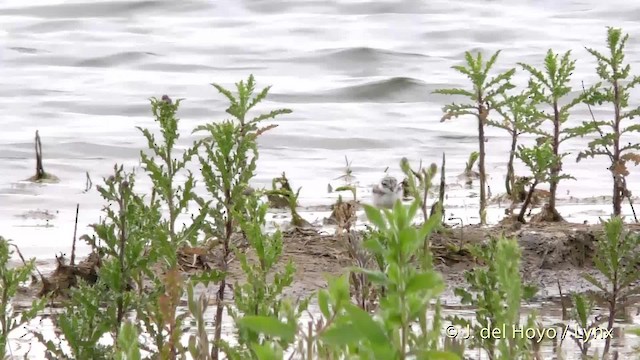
column 387, row 192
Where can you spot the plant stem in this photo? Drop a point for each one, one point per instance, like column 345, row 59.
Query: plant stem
column 482, row 114
column 75, row 233
column 510, row 180
column 120, row 301
column 617, row 185
column 555, row 171
column 612, row 309
column 527, row 201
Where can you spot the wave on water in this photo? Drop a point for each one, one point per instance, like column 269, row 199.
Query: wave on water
column 361, row 54
column 392, row 90
column 97, row 9
column 120, row 58
column 358, row 61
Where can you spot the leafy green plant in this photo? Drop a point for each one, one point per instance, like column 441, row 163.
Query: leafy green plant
column 541, row 161
column 411, row 284
column 613, row 71
column 496, row 291
column 164, row 168
column 135, row 241
column 469, row 173
column 617, row 253
column 520, row 116
column 228, row 164
column 128, row 348
column 582, row 311
column 483, row 96
column 549, row 87
column 420, row 183
column 82, row 324
column 10, row 280
column 259, row 296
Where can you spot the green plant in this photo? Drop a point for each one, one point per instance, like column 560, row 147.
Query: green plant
column 228, row 164
column 468, row 166
column 583, row 309
column 520, row 116
column 10, row 280
column 420, row 183
column 496, row 291
column 550, row 87
column 541, row 161
column 616, row 75
column 259, row 296
column 137, row 245
column 281, row 195
column 128, row 348
column 348, row 331
column 483, row 98
column 122, row 239
column 617, row 253
column 163, row 170
column 410, row 283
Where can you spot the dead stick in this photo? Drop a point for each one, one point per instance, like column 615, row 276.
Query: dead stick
column 25, row 262
column 564, row 309
column 39, row 165
column 75, row 233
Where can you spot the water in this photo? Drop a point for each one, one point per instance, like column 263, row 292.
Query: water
column 358, row 76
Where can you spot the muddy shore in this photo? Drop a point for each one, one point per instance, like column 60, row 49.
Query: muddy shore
column 552, row 253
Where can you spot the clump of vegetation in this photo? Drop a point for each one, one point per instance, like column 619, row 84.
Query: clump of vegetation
column 10, row 281
column 281, row 195
column 496, row 291
column 617, row 254
column 615, row 91
column 549, row 87
column 483, row 95
column 410, row 284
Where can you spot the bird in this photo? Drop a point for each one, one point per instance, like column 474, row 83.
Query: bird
column 387, row 192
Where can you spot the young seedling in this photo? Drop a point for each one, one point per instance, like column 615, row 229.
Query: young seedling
column 583, row 309
column 228, row 164
column 618, row 83
column 617, row 255
column 441, row 191
column 550, row 87
column 541, row 161
column 419, row 183
column 347, row 177
column 483, row 96
column 520, row 116
column 469, row 174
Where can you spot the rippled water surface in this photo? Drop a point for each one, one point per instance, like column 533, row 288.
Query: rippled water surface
column 358, row 76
